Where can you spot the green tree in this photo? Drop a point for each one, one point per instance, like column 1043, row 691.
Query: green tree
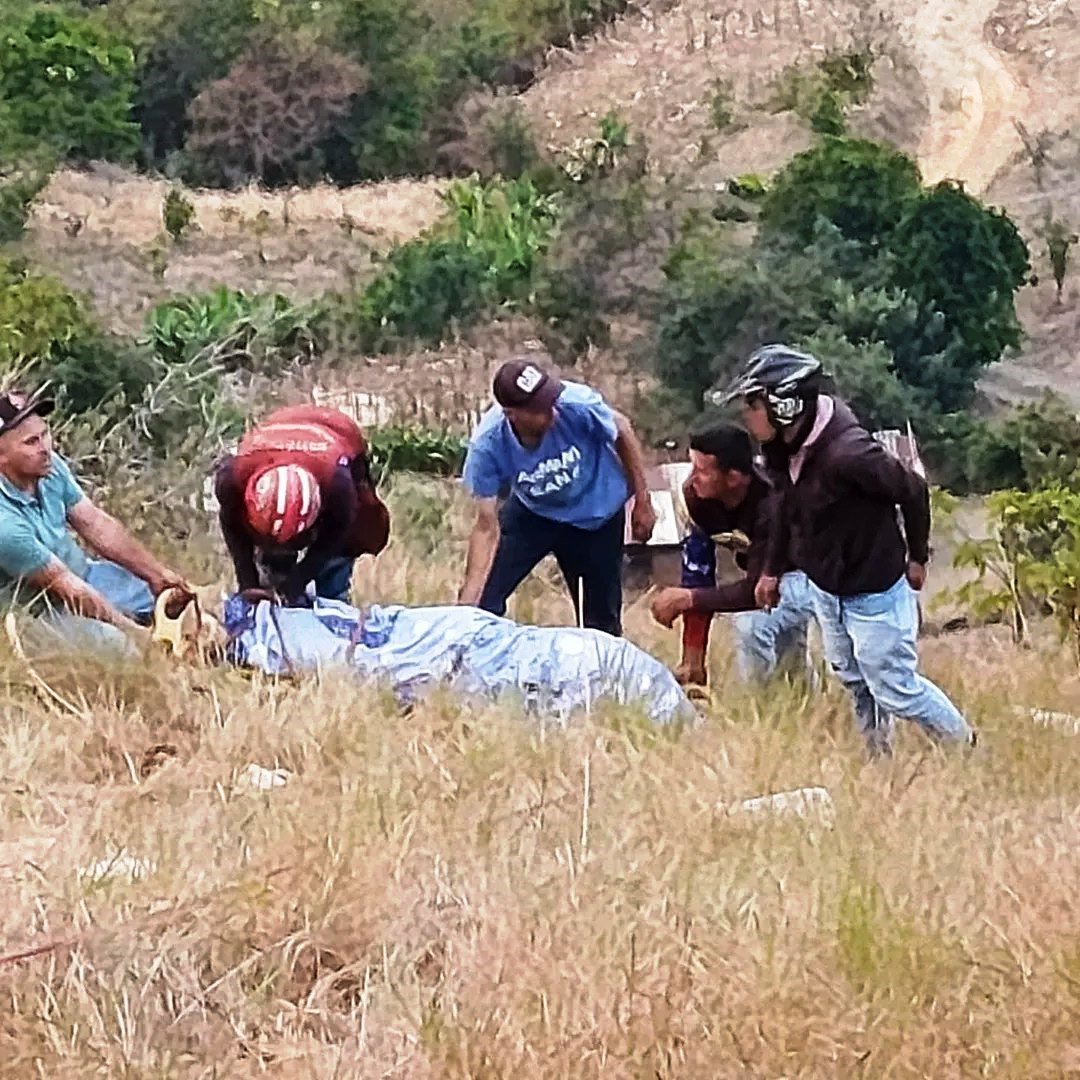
column 391, row 125
column 953, row 255
column 67, row 83
column 861, row 187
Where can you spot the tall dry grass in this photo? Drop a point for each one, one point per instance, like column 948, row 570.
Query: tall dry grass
column 455, row 893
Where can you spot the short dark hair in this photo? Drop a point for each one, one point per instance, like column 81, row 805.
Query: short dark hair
column 730, row 445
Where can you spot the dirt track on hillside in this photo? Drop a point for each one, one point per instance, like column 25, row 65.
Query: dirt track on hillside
column 973, row 96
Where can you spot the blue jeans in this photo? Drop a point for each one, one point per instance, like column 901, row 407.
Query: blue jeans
column 870, row 643
column 774, row 642
column 127, row 593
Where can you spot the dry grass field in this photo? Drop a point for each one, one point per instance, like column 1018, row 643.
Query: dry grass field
column 458, row 893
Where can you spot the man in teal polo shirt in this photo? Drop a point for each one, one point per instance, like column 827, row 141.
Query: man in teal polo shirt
column 41, row 507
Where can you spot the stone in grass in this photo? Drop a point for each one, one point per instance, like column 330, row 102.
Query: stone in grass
column 1059, row 721
column 259, row 779
column 120, row 865
column 808, row 802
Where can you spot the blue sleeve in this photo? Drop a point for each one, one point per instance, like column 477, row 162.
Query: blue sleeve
column 593, row 415
column 21, row 552
column 698, row 560
column 483, row 475
column 70, row 491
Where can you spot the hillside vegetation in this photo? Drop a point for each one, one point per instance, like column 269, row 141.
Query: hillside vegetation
column 589, row 212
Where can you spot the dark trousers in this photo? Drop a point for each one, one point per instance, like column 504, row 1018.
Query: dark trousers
column 332, row 582
column 591, row 556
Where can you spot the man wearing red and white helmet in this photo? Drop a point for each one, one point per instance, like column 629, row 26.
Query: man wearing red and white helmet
column 298, row 504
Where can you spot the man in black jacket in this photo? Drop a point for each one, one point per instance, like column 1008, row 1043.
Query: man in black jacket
column 840, row 491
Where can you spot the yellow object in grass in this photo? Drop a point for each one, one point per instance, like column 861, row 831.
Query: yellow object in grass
column 181, row 626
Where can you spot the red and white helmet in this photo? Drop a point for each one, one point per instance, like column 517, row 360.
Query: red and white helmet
column 282, row 502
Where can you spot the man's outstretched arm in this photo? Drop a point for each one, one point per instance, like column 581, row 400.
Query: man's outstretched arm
column 483, row 540
column 61, row 584
column 628, row 447
column 109, row 539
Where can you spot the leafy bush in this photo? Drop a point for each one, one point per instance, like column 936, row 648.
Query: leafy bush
column 417, row 450
column 261, row 333
column 49, row 334
column 1035, row 444
column 483, row 256
column 177, row 214
column 1030, row 562
column 68, row 84
column 22, row 177
column 822, row 93
column 953, row 255
column 861, row 187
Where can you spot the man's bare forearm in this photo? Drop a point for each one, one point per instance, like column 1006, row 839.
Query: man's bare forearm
column 632, row 455
column 78, row 597
column 482, row 544
column 112, row 541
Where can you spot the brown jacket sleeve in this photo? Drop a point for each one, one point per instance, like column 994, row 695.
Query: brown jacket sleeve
column 738, row 596
column 775, row 553
column 766, row 543
column 871, row 468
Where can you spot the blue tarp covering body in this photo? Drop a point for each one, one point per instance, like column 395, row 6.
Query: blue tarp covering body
column 553, row 670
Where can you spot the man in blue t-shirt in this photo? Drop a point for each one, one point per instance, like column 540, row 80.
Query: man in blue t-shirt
column 568, row 464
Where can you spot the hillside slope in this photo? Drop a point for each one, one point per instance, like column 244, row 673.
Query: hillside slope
column 957, row 83
column 979, row 93
column 303, row 242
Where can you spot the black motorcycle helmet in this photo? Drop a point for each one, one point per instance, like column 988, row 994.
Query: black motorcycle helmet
column 785, row 379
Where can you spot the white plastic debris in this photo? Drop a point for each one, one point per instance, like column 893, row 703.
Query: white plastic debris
column 259, row 779
column 807, row 802
column 1059, row 721
column 119, row 865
